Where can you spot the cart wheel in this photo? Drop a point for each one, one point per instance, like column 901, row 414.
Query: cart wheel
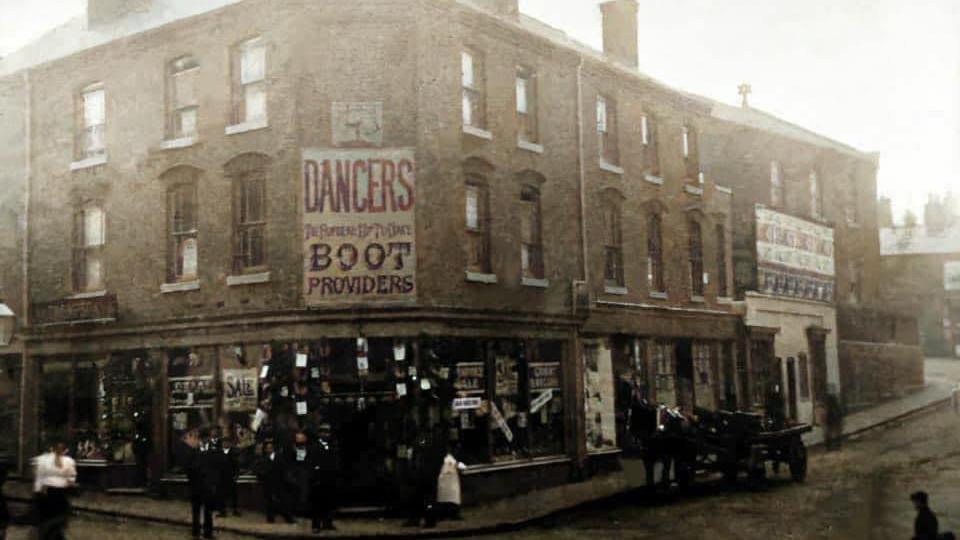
column 798, row 461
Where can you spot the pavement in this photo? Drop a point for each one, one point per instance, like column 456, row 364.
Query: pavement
column 501, row 516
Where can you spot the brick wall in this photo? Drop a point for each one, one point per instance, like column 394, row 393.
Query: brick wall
column 871, row 372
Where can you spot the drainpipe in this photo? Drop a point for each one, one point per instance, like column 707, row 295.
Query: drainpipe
column 584, row 271
column 579, row 449
column 26, row 367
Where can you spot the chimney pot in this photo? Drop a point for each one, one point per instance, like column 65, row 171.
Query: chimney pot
column 620, row 31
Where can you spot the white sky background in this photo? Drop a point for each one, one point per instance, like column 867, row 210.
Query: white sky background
column 881, row 75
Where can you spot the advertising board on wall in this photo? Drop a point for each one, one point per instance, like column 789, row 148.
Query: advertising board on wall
column 358, row 226
column 795, row 257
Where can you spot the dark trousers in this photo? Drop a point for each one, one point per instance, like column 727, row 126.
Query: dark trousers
column 53, row 508
column 275, row 503
column 229, row 499
column 321, row 507
column 198, row 505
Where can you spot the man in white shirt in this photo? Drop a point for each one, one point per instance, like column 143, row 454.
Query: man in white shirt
column 54, row 474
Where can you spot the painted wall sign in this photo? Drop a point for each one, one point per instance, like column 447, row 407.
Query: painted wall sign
column 951, row 276
column 357, row 124
column 544, row 376
column 240, row 390
column 192, row 392
column 795, row 257
column 358, row 226
column 470, row 378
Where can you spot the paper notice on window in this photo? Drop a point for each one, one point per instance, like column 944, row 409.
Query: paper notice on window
column 501, row 422
column 540, row 401
column 400, row 352
column 315, row 373
column 264, row 371
column 401, row 389
column 301, row 408
column 363, row 364
column 258, row 419
column 301, row 360
column 425, row 384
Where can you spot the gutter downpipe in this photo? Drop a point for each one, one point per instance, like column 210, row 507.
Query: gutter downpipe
column 25, row 369
column 579, row 431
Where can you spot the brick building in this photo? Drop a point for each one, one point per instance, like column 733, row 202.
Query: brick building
column 921, row 267
column 389, row 215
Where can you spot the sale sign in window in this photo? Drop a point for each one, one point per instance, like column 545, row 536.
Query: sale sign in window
column 358, row 226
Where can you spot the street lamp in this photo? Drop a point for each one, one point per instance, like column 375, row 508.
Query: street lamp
column 7, row 318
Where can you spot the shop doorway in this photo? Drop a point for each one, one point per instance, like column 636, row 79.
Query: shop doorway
column 685, row 387
column 792, row 388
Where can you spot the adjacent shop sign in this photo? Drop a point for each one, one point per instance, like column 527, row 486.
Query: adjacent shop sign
column 951, row 276
column 192, row 392
column 467, row 403
column 544, row 376
column 794, row 256
column 470, row 378
column 358, row 226
column 239, row 390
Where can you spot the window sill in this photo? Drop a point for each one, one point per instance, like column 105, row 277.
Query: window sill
column 724, row 300
column 248, row 279
column 535, row 282
column 723, row 189
column 478, row 133
column 516, row 464
column 653, row 179
column 611, row 289
column 244, row 127
column 182, row 142
column 85, row 295
column 530, row 146
column 693, row 190
column 182, row 286
column 479, row 277
column 697, row 299
column 89, row 162
column 659, row 295
column 610, row 167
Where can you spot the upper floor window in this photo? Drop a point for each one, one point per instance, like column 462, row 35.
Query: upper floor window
column 526, row 105
column 472, row 73
column 89, row 232
column 655, row 253
column 182, row 101
column 182, row 248
column 816, row 195
column 477, row 226
column 92, row 123
column 776, row 185
column 648, row 135
column 723, row 288
column 250, row 87
column 690, row 154
column 695, row 240
column 249, row 174
column 607, row 130
column 531, row 247
column 612, row 247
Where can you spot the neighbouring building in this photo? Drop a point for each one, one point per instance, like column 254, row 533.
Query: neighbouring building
column 389, row 215
column 921, row 269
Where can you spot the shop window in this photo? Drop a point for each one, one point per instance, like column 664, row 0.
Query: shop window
column 695, row 247
column 527, row 129
column 804, row 376
column 473, row 83
column 612, row 246
column 249, row 174
column 723, row 288
column 10, row 372
column 249, row 82
column 92, row 122
column 705, row 375
column 477, row 206
column 182, row 75
column 531, row 247
column 655, row 253
column 191, row 396
column 89, row 239
column 665, row 362
column 599, row 406
column 182, row 247
column 607, row 130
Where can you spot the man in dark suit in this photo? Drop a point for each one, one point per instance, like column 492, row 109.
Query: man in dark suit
column 324, row 471
column 228, row 481
column 269, row 471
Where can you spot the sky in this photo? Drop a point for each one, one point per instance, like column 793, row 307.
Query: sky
column 880, row 75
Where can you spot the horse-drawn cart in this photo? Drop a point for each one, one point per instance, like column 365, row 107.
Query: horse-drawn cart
column 724, row 442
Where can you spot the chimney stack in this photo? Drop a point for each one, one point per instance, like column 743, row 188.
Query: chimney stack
column 506, row 8
column 101, row 12
column 620, row 31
